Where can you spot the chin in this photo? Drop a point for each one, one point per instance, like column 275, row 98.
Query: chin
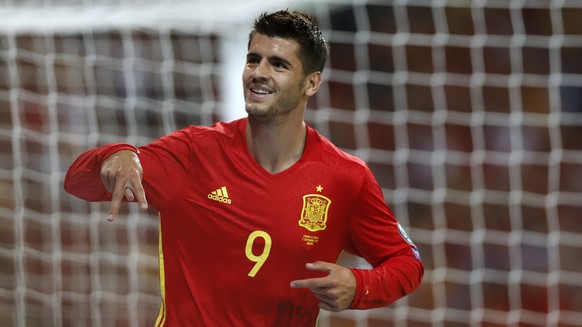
column 259, row 114
column 258, row 108
column 260, row 117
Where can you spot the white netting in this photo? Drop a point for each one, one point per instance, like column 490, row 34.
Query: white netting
column 469, row 114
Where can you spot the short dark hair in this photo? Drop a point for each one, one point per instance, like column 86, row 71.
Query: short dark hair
column 300, row 27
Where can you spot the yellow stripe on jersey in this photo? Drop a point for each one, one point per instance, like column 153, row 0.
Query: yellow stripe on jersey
column 161, row 320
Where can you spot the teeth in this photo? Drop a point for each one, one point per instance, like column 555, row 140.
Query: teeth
column 259, row 91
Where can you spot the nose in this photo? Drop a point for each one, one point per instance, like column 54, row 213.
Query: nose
column 260, row 72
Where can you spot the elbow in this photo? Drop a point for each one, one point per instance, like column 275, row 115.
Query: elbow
column 417, row 267
column 72, row 183
column 68, row 184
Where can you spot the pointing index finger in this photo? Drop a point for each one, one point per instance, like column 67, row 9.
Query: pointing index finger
column 312, row 283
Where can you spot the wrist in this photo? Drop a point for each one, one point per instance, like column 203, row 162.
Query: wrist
column 361, row 289
column 107, row 150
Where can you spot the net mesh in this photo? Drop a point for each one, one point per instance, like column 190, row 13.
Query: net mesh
column 468, row 113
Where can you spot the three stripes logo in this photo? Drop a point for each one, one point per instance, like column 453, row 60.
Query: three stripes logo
column 220, row 195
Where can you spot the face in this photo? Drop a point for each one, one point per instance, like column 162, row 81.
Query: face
column 273, row 79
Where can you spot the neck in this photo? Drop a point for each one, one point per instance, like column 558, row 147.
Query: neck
column 276, row 147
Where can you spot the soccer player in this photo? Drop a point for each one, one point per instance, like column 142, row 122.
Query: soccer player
column 254, row 213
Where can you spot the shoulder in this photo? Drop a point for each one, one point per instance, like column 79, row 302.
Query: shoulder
column 219, row 129
column 218, row 132
column 331, row 153
column 343, row 166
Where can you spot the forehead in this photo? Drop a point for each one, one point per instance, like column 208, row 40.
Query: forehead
column 274, row 46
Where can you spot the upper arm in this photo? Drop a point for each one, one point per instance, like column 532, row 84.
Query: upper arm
column 165, row 162
column 374, row 233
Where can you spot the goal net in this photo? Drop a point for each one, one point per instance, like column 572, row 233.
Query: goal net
column 469, row 113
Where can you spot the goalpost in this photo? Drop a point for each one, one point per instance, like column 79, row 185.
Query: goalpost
column 469, row 113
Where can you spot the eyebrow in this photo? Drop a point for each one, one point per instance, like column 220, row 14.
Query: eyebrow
column 281, row 60
column 271, row 58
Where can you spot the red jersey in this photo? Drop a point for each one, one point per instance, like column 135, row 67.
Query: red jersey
column 233, row 236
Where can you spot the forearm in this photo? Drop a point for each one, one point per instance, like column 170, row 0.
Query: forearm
column 388, row 282
column 83, row 178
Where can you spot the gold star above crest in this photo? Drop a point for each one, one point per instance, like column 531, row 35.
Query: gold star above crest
column 319, row 188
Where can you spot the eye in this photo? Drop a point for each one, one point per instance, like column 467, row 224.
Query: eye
column 279, row 64
column 252, row 59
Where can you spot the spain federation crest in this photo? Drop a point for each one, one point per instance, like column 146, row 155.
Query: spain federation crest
column 314, row 213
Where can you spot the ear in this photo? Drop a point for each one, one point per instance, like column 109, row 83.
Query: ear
column 313, row 82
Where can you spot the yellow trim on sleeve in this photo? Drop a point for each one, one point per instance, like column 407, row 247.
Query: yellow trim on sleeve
column 161, row 320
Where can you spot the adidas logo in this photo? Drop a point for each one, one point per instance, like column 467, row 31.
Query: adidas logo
column 220, row 195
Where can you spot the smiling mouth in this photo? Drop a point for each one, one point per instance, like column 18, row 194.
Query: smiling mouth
column 260, row 91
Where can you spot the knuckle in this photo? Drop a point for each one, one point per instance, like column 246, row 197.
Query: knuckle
column 121, row 173
column 136, row 173
column 105, row 172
